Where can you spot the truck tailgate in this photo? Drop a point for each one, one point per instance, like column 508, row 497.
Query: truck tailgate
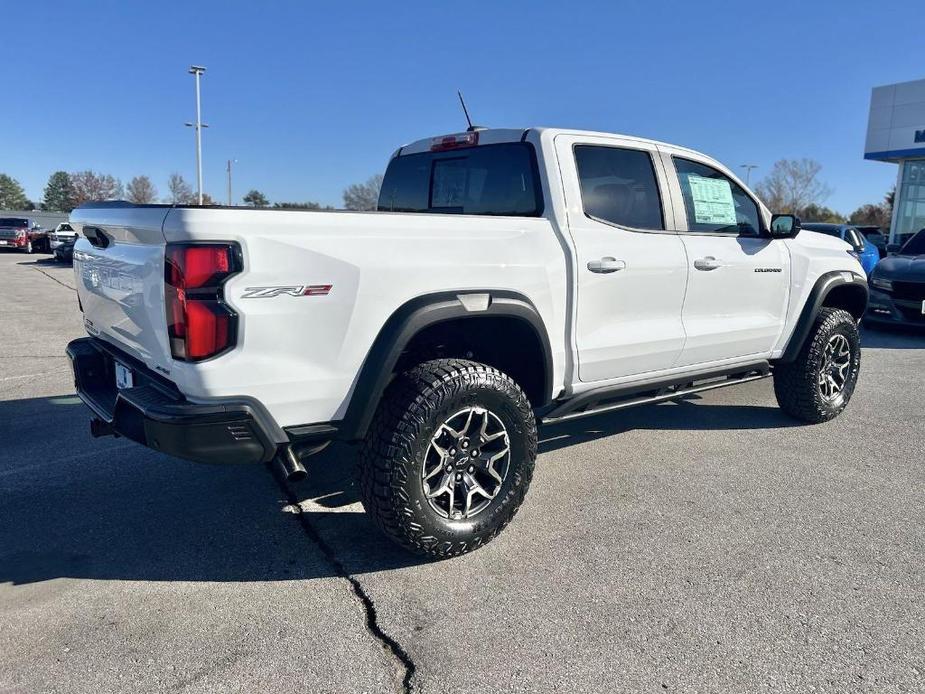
column 120, row 278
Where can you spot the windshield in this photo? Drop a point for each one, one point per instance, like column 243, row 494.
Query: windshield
column 915, row 245
column 13, row 222
column 65, row 227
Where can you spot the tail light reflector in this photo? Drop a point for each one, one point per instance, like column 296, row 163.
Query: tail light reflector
column 199, row 324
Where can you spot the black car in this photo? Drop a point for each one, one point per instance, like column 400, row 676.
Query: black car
column 64, row 253
column 897, row 286
column 876, row 236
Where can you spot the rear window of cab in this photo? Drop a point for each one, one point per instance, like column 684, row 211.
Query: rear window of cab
column 499, row 180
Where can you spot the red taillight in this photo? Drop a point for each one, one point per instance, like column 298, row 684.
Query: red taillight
column 199, row 324
column 441, row 144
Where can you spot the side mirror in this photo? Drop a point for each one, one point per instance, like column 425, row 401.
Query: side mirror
column 784, row 226
column 892, row 248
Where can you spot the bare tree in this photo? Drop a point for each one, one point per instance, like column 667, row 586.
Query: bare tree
column 90, row 186
column 141, row 191
column 180, row 191
column 793, row 185
column 363, row 196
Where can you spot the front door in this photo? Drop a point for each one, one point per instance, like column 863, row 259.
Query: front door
column 739, row 278
column 631, row 272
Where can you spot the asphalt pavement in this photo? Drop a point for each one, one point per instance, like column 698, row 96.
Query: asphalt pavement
column 711, row 545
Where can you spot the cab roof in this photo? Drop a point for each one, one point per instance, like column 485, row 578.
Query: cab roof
column 491, row 136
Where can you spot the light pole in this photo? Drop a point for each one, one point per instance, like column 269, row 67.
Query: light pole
column 748, row 171
column 230, row 162
column 197, row 70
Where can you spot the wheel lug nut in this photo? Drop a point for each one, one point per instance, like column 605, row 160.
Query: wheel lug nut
column 459, row 475
column 449, row 468
column 452, row 451
column 471, row 469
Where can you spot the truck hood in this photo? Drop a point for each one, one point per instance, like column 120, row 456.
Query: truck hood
column 902, row 267
column 815, row 239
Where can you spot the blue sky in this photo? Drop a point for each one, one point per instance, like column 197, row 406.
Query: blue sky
column 313, row 96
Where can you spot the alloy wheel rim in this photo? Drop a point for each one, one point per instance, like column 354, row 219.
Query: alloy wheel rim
column 466, row 463
column 835, row 368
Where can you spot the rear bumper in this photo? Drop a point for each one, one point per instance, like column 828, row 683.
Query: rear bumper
column 159, row 417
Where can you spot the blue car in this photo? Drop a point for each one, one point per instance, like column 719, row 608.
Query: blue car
column 867, row 252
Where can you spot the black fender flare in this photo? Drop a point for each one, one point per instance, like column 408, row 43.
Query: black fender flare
column 412, row 317
column 814, row 303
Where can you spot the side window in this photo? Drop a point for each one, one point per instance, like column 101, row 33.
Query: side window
column 854, row 238
column 619, row 186
column 714, row 202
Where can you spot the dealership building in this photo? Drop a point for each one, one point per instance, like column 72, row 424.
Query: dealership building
column 896, row 133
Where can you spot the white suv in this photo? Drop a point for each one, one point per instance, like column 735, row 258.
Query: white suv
column 63, row 233
column 511, row 278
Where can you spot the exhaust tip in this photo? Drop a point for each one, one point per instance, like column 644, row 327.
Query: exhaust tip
column 292, row 468
column 296, row 475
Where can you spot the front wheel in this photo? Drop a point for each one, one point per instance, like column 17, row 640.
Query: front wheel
column 449, row 457
column 818, row 384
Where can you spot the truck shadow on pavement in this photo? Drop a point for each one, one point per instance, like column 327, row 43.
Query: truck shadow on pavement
column 679, row 415
column 108, row 509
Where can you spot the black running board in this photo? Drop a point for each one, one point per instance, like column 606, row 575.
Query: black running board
column 629, row 395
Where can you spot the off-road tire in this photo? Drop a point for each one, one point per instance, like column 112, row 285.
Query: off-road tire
column 796, row 383
column 412, row 409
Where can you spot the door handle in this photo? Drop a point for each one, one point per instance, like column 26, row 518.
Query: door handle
column 708, row 263
column 606, row 265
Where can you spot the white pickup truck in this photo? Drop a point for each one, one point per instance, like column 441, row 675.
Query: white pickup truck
column 510, row 279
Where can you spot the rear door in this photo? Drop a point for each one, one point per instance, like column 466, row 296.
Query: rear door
column 631, row 271
column 120, row 279
column 739, row 278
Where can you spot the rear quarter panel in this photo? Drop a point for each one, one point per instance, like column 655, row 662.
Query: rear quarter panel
column 300, row 355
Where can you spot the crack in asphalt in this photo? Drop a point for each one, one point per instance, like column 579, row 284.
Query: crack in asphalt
column 52, row 277
column 372, row 620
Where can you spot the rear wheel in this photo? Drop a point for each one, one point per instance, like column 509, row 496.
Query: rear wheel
column 449, row 457
column 818, row 384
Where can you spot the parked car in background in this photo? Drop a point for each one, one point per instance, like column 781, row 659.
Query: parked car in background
column 876, row 236
column 63, row 233
column 867, row 252
column 897, row 286
column 23, row 234
column 64, row 251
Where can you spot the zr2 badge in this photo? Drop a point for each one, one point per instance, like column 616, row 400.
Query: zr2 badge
column 297, row 290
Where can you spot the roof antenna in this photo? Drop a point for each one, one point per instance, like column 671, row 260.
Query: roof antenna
column 471, row 128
